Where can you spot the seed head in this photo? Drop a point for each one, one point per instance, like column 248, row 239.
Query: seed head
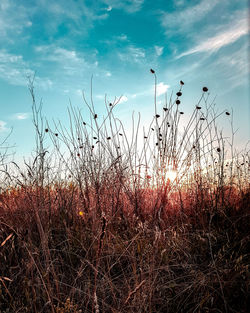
column 181, row 112
column 227, row 113
column 84, row 123
column 202, row 119
column 108, row 138
column 46, row 130
column 165, row 109
column 110, row 104
column 94, row 137
column 56, row 134
column 95, row 116
column 177, row 101
column 181, row 82
column 78, row 154
column 179, row 93
column 205, row 89
column 157, row 115
column 218, row 150
column 152, row 71
column 198, row 108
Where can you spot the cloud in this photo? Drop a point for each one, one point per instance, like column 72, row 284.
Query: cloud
column 130, row 6
column 14, row 18
column 220, row 40
column 182, row 18
column 161, row 88
column 15, row 70
column 3, row 127
column 21, row 116
column 132, row 54
column 123, row 99
column 108, row 74
column 159, row 50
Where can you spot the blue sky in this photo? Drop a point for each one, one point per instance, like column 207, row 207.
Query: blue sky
column 203, row 43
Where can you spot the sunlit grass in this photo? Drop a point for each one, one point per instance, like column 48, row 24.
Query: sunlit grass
column 98, row 221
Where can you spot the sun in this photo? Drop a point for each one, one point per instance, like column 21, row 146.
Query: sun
column 171, row 175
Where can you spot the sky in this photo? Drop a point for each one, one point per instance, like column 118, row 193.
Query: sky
column 65, row 43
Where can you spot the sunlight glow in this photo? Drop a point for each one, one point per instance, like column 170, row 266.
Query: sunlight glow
column 171, row 175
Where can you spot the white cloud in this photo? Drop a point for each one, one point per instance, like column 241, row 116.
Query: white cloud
column 123, row 99
column 130, row 6
column 220, row 40
column 3, row 127
column 108, row 74
column 13, row 68
column 109, row 8
column 161, row 88
column 159, row 50
column 21, row 116
column 16, row 71
column 14, row 18
column 132, row 54
column 181, row 19
column 122, row 37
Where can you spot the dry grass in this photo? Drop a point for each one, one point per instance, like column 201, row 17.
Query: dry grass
column 97, row 227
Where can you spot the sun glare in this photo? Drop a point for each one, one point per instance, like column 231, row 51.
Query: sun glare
column 171, row 175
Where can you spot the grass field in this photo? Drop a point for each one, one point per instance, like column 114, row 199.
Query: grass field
column 107, row 222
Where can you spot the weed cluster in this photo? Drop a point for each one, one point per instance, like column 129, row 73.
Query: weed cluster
column 98, row 224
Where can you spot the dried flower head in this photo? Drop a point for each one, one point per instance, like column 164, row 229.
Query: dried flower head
column 218, row 150
column 46, row 130
column 108, row 138
column 84, row 123
column 56, row 134
column 157, row 115
column 165, row 109
column 181, row 82
column 177, row 101
column 181, row 112
column 152, row 71
column 227, row 113
column 198, row 107
column 179, row 93
column 205, row 89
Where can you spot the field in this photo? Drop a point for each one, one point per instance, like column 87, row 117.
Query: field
column 102, row 221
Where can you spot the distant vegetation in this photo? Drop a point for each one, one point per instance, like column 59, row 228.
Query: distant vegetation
column 102, row 221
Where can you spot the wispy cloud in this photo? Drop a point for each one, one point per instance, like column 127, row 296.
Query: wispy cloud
column 21, row 116
column 159, row 50
column 13, row 68
column 181, row 19
column 132, row 54
column 130, row 6
column 220, row 40
column 14, row 18
column 3, row 127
